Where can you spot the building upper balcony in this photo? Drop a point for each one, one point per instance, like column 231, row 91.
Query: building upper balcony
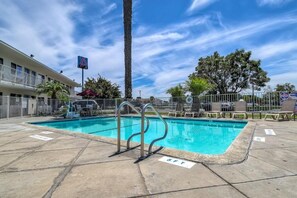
column 11, row 77
column 14, row 77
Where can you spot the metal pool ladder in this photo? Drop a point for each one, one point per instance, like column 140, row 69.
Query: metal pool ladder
column 143, row 130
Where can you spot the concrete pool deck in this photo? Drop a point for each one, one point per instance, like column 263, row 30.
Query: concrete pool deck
column 69, row 166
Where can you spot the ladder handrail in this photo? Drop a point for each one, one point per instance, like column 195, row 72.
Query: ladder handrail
column 126, row 103
column 149, row 105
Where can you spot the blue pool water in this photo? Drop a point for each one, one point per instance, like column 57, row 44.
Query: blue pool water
column 200, row 136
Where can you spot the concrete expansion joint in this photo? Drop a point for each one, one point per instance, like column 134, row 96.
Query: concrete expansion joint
column 28, row 170
column 265, row 179
column 13, row 142
column 143, row 179
column 104, row 162
column 60, row 178
column 272, row 164
column 225, row 180
column 180, row 190
column 23, row 156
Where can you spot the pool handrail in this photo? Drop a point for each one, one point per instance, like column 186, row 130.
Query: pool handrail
column 126, row 103
column 149, row 105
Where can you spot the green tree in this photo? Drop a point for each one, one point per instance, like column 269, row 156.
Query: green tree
column 55, row 90
column 103, row 87
column 231, row 73
column 177, row 95
column 127, row 8
column 288, row 87
column 152, row 99
column 197, row 86
column 177, row 91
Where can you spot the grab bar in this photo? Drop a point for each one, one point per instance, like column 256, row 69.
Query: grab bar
column 149, row 105
column 126, row 103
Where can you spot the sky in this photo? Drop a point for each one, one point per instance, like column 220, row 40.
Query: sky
column 169, row 36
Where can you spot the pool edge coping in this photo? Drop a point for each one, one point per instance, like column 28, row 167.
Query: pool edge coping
column 237, row 152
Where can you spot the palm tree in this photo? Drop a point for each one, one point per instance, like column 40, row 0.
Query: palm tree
column 177, row 95
column 127, row 6
column 55, row 90
column 197, row 86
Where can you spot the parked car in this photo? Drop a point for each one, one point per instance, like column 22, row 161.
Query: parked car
column 79, row 104
column 205, row 106
column 227, row 106
column 250, row 104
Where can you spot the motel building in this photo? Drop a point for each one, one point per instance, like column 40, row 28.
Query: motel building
column 19, row 75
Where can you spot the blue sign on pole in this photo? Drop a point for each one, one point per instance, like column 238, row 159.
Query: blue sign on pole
column 82, row 62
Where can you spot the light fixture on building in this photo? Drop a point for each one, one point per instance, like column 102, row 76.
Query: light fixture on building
column 31, row 55
column 61, row 72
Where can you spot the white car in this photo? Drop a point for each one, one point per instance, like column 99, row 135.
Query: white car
column 92, row 104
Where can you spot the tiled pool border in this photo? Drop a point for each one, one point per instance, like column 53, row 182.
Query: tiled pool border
column 236, row 153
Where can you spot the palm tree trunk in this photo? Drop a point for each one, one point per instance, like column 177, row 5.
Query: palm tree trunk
column 128, row 43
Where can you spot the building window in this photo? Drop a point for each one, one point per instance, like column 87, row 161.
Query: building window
column 40, row 78
column 15, row 99
column 27, row 76
column 19, row 74
column 33, row 78
column 13, row 68
column 1, row 63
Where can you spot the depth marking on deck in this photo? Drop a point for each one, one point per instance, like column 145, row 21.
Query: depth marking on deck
column 259, row 139
column 269, row 132
column 46, row 132
column 40, row 137
column 177, row 162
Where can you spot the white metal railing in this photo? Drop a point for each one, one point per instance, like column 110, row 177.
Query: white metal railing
column 143, row 130
column 15, row 76
column 260, row 101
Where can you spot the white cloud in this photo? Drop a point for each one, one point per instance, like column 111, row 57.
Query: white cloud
column 179, row 59
column 289, row 77
column 199, row 4
column 110, row 8
column 272, row 2
column 172, row 36
column 162, row 57
column 275, row 49
column 50, row 37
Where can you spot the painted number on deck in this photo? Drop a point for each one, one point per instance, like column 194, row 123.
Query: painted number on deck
column 269, row 132
column 40, row 137
column 259, row 139
column 177, row 162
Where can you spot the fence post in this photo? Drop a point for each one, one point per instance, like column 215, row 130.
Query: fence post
column 36, row 109
column 21, row 106
column 116, row 105
column 8, row 105
column 269, row 101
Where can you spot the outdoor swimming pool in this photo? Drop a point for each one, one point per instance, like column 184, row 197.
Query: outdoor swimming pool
column 199, row 136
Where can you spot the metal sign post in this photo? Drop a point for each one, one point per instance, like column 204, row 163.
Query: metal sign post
column 82, row 79
column 82, row 62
